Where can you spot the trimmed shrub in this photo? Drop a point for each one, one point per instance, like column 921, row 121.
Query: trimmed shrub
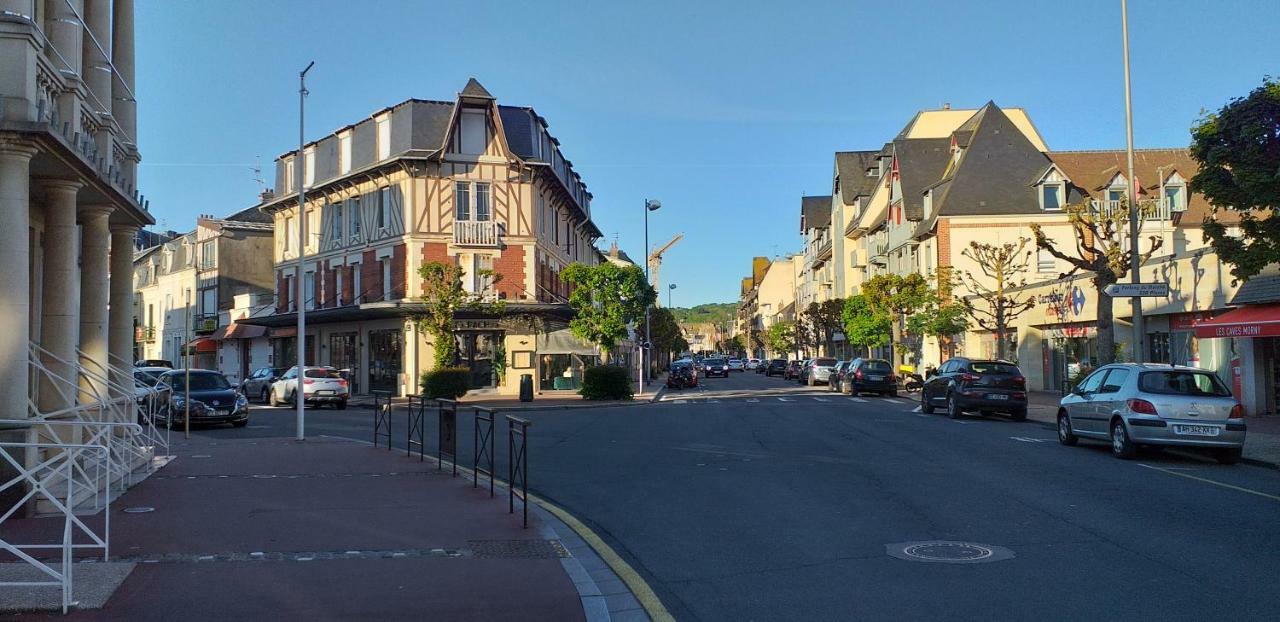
column 448, row 383
column 606, row 382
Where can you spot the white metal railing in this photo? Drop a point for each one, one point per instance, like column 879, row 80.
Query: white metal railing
column 476, row 232
column 1149, row 210
column 59, row 468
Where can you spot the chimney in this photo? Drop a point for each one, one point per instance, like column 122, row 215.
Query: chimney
column 613, row 249
column 946, row 106
column 266, row 195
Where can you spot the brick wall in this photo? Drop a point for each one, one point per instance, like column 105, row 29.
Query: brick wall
column 348, row 283
column 371, row 276
column 944, row 243
column 510, row 264
column 331, row 284
column 398, row 275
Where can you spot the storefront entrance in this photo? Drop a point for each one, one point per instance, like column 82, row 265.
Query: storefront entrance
column 386, row 356
column 1066, row 350
column 344, row 356
column 478, row 351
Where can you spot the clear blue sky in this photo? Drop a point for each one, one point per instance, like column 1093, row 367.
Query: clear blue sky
column 725, row 111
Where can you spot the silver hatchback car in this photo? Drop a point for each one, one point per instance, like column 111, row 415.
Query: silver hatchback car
column 1131, row 405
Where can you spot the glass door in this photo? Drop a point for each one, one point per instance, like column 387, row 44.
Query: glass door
column 477, row 351
column 344, row 356
column 386, row 349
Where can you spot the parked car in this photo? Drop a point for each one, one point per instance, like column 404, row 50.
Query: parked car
column 819, row 371
column 793, row 370
column 320, row 385
column 753, row 364
column 258, row 384
column 776, row 367
column 716, row 367
column 1132, row 405
column 153, row 363
column 145, row 381
column 870, row 376
column 987, row 386
column 213, row 399
column 682, row 375
column 803, row 376
column 833, row 383
column 736, row 365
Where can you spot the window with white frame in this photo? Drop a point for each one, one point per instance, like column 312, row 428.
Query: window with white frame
column 288, row 173
column 309, row 167
column 462, row 200
column 337, row 285
column 384, row 208
column 1175, row 197
column 386, row 278
column 483, row 212
column 208, row 254
column 1045, row 262
column 344, row 153
column 353, row 212
column 474, row 135
column 383, row 125
column 335, row 222
column 472, row 201
column 309, row 289
column 290, row 233
column 357, row 288
column 1051, row 195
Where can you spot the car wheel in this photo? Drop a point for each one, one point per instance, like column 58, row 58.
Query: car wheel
column 1121, row 446
column 1065, row 435
column 953, row 407
column 925, row 406
column 1019, row 415
column 293, row 399
column 342, row 405
column 1228, row 456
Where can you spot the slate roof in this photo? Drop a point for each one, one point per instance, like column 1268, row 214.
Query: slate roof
column 921, row 161
column 1091, row 171
column 815, row 212
column 852, row 167
column 1258, row 290
column 474, row 89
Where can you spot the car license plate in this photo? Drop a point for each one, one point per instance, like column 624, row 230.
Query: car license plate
column 997, row 396
column 1196, row 430
column 324, row 392
column 875, row 378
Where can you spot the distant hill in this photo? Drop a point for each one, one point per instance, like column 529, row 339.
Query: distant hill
column 719, row 313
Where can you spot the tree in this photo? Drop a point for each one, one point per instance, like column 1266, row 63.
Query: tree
column 822, row 320
column 665, row 335
column 863, row 326
column 442, row 296
column 1003, row 268
column 938, row 319
column 781, row 338
column 898, row 297
column 1100, row 248
column 1238, row 149
column 605, row 299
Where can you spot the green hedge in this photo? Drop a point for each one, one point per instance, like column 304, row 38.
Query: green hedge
column 606, row 382
column 448, row 383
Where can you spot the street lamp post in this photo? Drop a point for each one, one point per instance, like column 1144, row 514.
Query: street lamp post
column 1135, row 262
column 299, row 172
column 649, row 206
column 670, row 288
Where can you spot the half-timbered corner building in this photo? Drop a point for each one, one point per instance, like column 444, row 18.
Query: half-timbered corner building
column 468, row 181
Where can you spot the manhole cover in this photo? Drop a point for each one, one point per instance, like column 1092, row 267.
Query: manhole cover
column 517, row 549
column 141, row 509
column 948, row 552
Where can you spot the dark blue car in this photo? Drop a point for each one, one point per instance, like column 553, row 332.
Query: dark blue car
column 213, row 399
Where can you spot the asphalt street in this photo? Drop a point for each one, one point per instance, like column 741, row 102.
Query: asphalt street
column 753, row 498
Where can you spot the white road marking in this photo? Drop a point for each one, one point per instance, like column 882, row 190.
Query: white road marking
column 1025, row 439
column 677, row 401
column 821, row 399
column 1210, row 481
column 924, row 415
column 784, row 399
column 960, row 422
column 711, row 401
column 916, row 409
column 752, row 400
column 858, row 400
column 892, row 400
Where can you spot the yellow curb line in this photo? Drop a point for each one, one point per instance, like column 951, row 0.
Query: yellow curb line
column 638, row 586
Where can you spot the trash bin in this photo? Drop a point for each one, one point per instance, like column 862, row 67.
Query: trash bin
column 526, row 387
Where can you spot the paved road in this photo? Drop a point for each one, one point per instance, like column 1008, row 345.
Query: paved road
column 756, row 498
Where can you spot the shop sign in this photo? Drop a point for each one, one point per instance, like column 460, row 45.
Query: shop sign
column 477, row 324
column 1063, row 304
column 1187, row 321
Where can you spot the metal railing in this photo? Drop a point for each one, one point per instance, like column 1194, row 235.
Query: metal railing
column 447, row 441
column 476, row 233
column 482, row 447
column 382, row 417
column 416, row 408
column 1148, row 209
column 518, row 464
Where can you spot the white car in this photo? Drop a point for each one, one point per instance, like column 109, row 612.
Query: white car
column 753, row 363
column 735, row 365
column 145, row 389
column 320, row 385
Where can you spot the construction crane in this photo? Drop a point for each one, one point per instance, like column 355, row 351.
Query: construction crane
column 655, row 262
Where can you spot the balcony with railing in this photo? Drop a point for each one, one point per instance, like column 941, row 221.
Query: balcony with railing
column 1149, row 210
column 480, row 233
column 144, row 334
column 204, row 323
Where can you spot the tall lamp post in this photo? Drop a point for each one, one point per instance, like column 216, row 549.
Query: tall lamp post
column 299, row 171
column 1135, row 262
column 649, row 206
column 670, row 288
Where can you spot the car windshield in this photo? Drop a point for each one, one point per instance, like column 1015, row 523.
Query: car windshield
column 877, row 366
column 147, row 377
column 203, row 381
column 320, row 372
column 824, row 362
column 1179, row 382
column 715, row 361
column 992, row 367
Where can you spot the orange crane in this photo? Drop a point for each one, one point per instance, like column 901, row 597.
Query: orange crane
column 655, row 262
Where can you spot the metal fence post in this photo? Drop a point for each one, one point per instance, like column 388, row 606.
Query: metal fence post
column 518, row 464
column 482, row 447
column 381, row 417
column 448, row 434
column 415, row 424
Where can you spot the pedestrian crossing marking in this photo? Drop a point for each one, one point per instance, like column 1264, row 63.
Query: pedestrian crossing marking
column 892, row 400
column 858, row 400
column 916, row 409
column 1025, row 439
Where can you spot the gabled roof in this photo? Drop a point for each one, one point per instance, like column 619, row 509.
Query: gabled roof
column 474, row 89
column 852, row 167
column 1260, row 289
column 921, row 162
column 815, row 212
column 1091, row 171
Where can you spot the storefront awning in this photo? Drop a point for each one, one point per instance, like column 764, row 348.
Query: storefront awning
column 1250, row 321
column 242, row 331
column 563, row 342
column 203, row 344
column 284, row 331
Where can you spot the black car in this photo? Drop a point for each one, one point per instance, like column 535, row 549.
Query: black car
column 153, row 363
column 871, row 376
column 986, row 386
column 213, row 399
column 716, row 367
column 258, row 384
column 777, row 367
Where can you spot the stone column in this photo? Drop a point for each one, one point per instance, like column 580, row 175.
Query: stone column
column 15, row 285
column 120, row 319
column 66, row 39
column 60, row 314
column 97, row 67
column 124, row 106
column 94, row 238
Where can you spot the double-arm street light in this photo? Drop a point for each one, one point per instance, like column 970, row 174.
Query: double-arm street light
column 649, row 206
column 670, row 288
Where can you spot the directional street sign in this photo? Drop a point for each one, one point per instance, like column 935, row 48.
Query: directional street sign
column 1138, row 290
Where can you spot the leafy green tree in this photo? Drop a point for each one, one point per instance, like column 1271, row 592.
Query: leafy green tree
column 943, row 321
column 605, row 299
column 898, row 297
column 442, row 296
column 993, row 304
column 863, row 326
column 665, row 336
column 1238, row 148
column 822, row 320
column 781, row 338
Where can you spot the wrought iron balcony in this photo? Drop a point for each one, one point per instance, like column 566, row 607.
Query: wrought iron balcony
column 144, row 334
column 483, row 233
column 204, row 323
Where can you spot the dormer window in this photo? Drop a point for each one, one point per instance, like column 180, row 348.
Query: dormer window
column 874, row 171
column 1175, row 194
column 1051, row 195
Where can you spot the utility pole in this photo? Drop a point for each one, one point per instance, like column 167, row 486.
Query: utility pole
column 1135, row 222
column 299, row 172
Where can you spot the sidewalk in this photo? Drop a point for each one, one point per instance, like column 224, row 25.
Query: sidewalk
column 551, row 401
column 329, row 529
column 1261, row 444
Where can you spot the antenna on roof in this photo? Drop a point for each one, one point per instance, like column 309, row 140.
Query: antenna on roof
column 257, row 173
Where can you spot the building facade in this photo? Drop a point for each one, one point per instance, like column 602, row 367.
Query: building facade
column 467, row 181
